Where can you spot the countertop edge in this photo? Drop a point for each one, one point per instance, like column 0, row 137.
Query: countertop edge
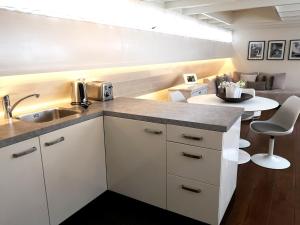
column 50, row 128
column 103, row 112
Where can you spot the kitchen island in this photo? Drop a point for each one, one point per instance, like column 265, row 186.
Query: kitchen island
column 176, row 156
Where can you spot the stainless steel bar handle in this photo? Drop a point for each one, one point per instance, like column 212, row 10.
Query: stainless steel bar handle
column 20, row 154
column 192, row 156
column 192, row 137
column 147, row 130
column 61, row 139
column 194, row 190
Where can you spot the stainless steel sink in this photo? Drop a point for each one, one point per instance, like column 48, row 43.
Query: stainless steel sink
column 48, row 115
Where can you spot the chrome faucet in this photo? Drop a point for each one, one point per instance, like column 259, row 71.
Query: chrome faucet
column 8, row 109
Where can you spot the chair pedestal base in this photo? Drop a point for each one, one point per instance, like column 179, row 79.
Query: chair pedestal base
column 244, row 143
column 270, row 161
column 244, row 157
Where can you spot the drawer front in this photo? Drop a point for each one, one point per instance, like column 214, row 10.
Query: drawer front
column 196, row 137
column 193, row 199
column 194, row 162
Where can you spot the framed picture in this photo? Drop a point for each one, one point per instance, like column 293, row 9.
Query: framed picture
column 190, row 78
column 294, row 53
column 276, row 50
column 256, row 50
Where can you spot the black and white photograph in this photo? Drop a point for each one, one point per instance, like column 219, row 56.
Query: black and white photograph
column 256, row 50
column 190, row 78
column 276, row 50
column 294, row 53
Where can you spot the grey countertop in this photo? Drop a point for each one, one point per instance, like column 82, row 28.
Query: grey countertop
column 206, row 117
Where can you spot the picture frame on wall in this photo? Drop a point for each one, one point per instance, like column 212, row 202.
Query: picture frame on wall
column 190, row 78
column 294, row 53
column 256, row 50
column 276, row 49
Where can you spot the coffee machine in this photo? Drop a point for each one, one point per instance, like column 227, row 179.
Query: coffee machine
column 79, row 93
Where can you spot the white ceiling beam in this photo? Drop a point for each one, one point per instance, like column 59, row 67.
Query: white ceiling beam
column 215, row 22
column 201, row 17
column 288, row 8
column 225, row 17
column 191, row 3
column 289, row 14
column 291, row 18
column 233, row 6
column 159, row 3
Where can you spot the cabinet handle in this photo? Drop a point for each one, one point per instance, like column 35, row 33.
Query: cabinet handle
column 191, row 189
column 192, row 156
column 20, row 154
column 61, row 139
column 147, row 130
column 192, row 137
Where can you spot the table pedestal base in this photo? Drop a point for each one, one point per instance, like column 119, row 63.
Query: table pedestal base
column 244, row 143
column 244, row 157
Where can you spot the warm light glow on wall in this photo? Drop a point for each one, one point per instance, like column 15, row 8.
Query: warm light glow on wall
column 54, row 87
column 124, row 13
column 92, row 73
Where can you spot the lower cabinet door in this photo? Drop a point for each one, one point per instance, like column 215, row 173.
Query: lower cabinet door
column 74, row 167
column 22, row 188
column 136, row 159
column 193, row 199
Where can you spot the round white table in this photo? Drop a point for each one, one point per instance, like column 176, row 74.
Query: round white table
column 251, row 105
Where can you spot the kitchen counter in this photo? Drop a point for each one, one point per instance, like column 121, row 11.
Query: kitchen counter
column 216, row 118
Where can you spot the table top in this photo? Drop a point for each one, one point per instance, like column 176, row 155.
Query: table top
column 251, row 105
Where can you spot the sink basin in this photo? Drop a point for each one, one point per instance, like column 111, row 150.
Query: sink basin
column 48, row 115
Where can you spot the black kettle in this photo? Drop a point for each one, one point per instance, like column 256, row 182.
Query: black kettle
column 79, row 93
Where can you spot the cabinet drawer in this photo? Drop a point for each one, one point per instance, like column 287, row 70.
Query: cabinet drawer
column 193, row 136
column 194, row 162
column 193, row 199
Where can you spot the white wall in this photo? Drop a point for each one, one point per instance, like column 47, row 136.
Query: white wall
column 291, row 67
column 33, row 43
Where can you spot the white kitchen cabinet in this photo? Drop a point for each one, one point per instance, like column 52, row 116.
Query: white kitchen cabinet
column 74, row 167
column 193, row 199
column 194, row 162
column 193, row 136
column 202, row 171
column 136, row 159
column 22, row 188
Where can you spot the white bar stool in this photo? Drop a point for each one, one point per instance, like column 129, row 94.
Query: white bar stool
column 282, row 123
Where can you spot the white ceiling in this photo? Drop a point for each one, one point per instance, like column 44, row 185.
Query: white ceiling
column 233, row 14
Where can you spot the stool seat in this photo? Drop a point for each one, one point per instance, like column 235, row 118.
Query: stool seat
column 263, row 127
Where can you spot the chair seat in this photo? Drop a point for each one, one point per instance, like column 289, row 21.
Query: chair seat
column 267, row 127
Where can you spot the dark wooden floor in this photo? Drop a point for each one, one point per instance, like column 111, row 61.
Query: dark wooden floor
column 263, row 196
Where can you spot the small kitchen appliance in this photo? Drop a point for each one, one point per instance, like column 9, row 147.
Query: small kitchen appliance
column 100, row 90
column 79, row 93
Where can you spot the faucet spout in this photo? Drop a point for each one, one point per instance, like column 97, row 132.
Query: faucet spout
column 8, row 109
